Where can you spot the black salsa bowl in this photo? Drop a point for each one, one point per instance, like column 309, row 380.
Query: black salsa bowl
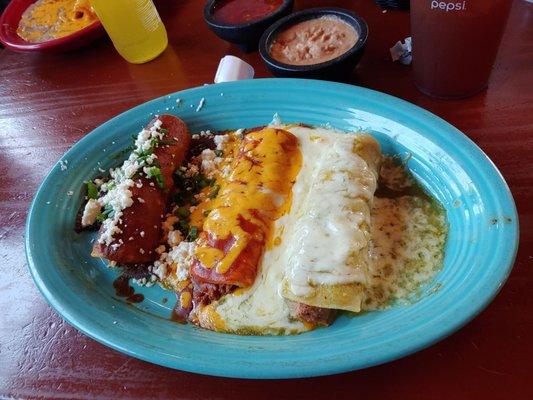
column 247, row 34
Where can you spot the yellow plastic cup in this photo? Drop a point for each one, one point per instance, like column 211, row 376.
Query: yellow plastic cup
column 134, row 27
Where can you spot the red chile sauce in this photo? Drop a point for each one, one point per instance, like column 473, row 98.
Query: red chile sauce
column 123, row 289
column 242, row 11
column 179, row 315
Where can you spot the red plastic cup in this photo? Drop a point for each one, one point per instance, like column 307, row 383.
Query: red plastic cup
column 455, row 44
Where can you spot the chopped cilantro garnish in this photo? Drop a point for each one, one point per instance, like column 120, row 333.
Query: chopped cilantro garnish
column 214, row 191
column 219, row 153
column 143, row 155
column 121, row 153
column 193, row 234
column 163, row 131
column 92, row 190
column 160, row 181
column 155, row 172
column 183, row 226
column 203, row 182
column 188, row 186
column 108, row 212
column 167, row 142
column 183, row 212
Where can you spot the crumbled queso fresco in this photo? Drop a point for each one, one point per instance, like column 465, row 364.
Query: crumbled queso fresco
column 109, row 208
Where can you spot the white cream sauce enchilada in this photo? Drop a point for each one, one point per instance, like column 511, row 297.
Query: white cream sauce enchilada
column 328, row 235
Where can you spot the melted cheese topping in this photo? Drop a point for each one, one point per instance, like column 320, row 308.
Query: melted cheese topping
column 51, row 19
column 408, row 235
column 263, row 169
column 261, row 309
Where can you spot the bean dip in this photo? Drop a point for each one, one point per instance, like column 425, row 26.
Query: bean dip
column 314, row 41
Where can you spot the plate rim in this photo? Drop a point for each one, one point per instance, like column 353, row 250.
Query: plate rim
column 451, row 327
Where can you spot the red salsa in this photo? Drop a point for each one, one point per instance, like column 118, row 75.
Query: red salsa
column 242, row 11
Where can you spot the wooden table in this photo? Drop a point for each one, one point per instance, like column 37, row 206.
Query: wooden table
column 48, row 102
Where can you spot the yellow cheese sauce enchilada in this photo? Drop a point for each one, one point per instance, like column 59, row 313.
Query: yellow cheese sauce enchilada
column 269, row 231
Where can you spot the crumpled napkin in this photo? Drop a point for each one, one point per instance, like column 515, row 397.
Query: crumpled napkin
column 402, row 51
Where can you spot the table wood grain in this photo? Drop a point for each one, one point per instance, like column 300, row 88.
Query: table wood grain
column 48, row 102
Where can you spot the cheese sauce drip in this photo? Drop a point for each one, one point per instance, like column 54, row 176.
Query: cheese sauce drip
column 252, row 195
column 51, row 19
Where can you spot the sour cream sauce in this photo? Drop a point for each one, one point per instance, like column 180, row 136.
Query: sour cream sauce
column 328, row 233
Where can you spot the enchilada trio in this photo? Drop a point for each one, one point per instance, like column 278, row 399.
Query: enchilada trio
column 260, row 231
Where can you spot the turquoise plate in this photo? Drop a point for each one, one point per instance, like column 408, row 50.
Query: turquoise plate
column 480, row 250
